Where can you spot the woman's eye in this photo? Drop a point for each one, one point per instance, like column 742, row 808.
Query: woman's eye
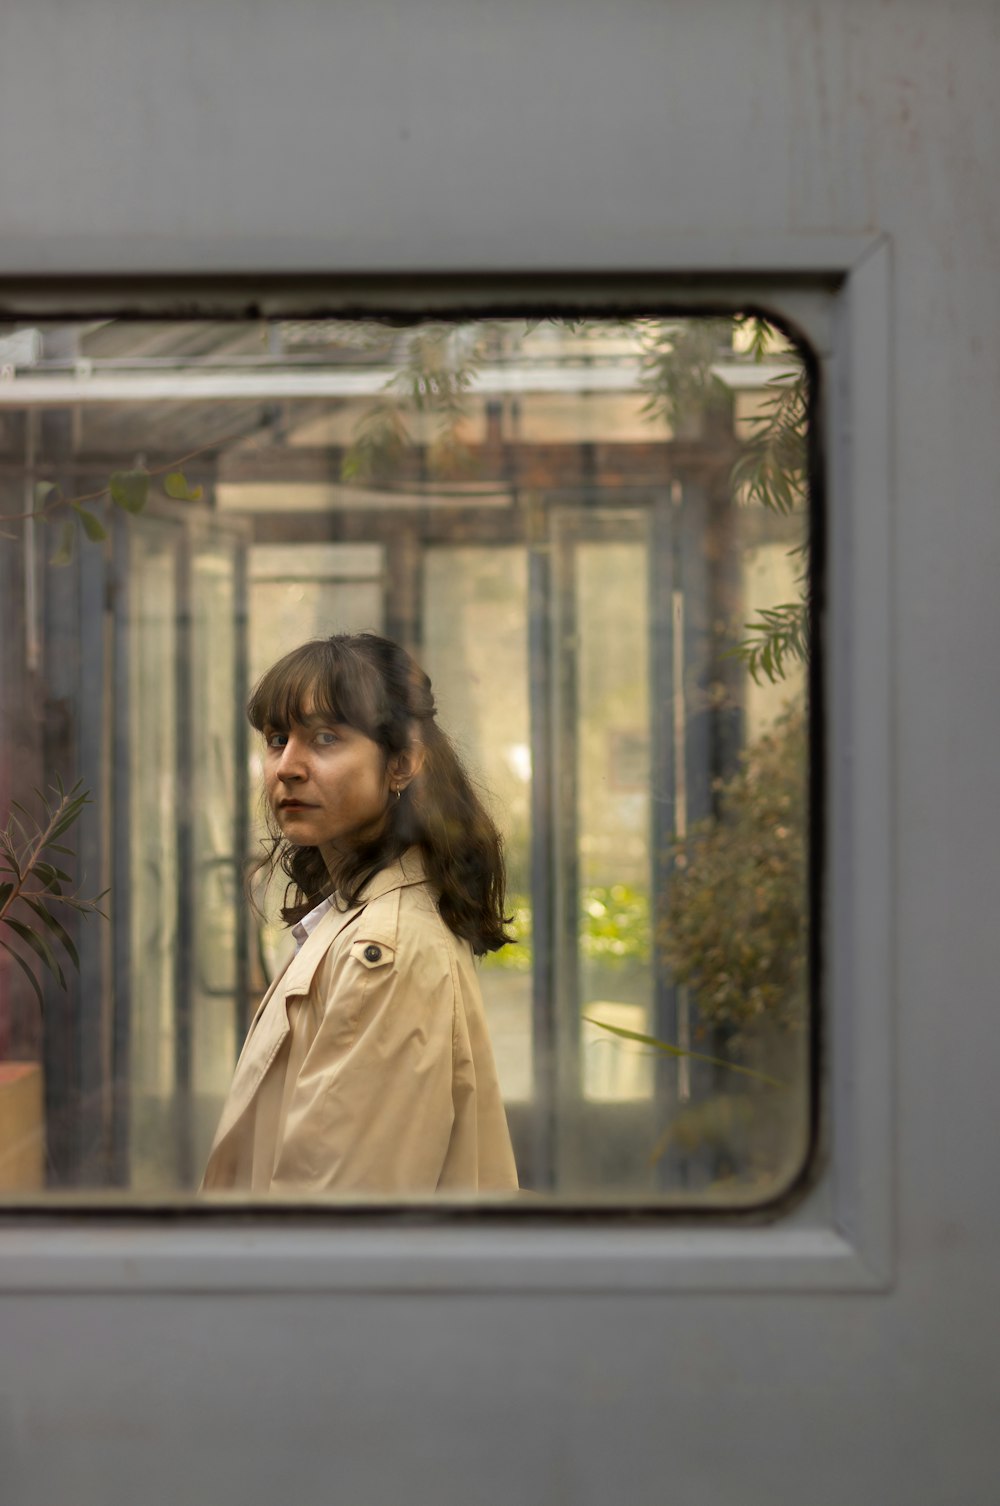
column 277, row 739
column 326, row 739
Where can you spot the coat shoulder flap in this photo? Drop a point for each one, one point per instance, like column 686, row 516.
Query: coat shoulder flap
column 363, row 931
column 374, row 938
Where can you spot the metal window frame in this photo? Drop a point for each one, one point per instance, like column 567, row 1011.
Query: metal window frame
column 838, row 1235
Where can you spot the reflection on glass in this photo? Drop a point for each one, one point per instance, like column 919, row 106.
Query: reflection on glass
column 594, row 535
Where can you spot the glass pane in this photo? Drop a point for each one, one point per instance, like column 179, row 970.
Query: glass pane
column 285, row 613
column 216, row 858
column 330, row 562
column 614, row 876
column 476, row 652
column 153, row 859
column 593, row 535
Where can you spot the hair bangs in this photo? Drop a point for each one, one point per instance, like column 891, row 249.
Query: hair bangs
column 319, row 679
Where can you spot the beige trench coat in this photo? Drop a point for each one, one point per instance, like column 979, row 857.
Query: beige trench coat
column 368, row 1067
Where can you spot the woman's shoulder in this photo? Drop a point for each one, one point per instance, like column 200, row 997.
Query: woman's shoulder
column 422, row 927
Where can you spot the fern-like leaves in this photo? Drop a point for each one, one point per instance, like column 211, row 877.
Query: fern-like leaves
column 32, row 885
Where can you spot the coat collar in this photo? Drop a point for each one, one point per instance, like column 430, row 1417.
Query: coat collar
column 297, row 976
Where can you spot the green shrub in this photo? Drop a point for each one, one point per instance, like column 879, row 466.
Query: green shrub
column 734, row 927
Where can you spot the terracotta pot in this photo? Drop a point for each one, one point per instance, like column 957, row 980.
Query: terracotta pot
column 22, row 1127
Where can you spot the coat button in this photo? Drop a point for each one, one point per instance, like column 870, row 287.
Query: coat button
column 373, row 953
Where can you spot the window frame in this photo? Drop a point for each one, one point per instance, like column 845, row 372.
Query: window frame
column 835, row 1229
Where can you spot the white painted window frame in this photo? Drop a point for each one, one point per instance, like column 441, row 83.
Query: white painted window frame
column 840, row 1236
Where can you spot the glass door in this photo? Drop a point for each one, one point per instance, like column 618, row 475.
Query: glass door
column 604, row 859
column 181, row 975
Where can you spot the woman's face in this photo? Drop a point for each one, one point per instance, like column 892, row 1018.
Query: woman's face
column 327, row 783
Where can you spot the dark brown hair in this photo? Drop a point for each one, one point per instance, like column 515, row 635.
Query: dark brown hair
column 372, row 684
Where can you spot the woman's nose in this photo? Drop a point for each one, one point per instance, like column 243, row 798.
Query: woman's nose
column 290, row 764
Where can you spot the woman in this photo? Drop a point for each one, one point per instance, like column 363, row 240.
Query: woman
column 368, row 1067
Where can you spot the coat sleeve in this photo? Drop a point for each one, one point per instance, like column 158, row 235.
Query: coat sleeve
column 371, row 1109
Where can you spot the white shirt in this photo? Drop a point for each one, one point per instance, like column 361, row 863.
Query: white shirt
column 302, row 929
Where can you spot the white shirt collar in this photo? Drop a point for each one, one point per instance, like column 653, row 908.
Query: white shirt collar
column 408, row 869
column 303, row 928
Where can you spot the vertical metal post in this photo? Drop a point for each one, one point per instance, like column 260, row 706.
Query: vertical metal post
column 64, row 646
column 241, row 832
column 699, row 737
column 544, row 1055
column 565, row 880
column 121, row 877
column 185, row 814
column 663, row 783
column 93, row 1016
column 403, row 594
column 30, row 526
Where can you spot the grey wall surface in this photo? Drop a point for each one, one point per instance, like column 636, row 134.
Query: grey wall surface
column 434, row 135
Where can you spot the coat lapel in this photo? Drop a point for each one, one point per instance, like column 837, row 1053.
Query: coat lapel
column 270, row 1026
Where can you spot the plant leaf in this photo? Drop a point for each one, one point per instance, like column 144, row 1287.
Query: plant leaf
column 92, row 525
column 15, row 805
column 67, row 538
column 176, row 486
column 14, row 863
column 698, row 1056
column 6, row 890
column 39, row 946
column 57, row 930
column 43, row 491
column 27, row 972
column 70, row 815
column 130, row 490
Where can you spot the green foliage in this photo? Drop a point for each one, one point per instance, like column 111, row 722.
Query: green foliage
column 518, row 957
column 32, row 886
column 676, row 370
column 777, row 635
column 130, row 490
column 772, row 468
column 734, row 930
column 176, row 486
column 67, row 539
column 434, row 378
column 615, row 926
column 677, row 373
column 615, row 930
column 773, row 472
column 380, row 440
column 92, row 526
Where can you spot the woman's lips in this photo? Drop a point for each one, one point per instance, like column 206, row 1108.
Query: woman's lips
column 295, row 805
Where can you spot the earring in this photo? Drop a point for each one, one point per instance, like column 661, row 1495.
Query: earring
column 399, row 793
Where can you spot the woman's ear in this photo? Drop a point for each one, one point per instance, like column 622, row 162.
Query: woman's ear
column 405, row 766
